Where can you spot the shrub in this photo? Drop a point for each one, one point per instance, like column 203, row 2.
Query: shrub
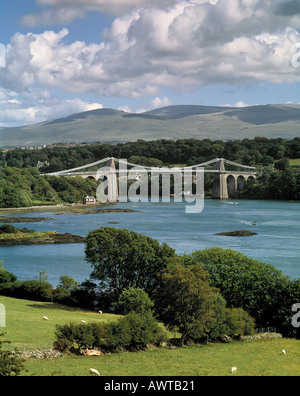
column 134, row 332
column 227, row 323
column 28, row 290
column 79, row 335
column 8, row 229
column 134, row 300
column 6, row 277
column 10, row 364
column 239, row 322
column 131, row 332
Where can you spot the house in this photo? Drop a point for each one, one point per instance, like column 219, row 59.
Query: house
column 89, row 200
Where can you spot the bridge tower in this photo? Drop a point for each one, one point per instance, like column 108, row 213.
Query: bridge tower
column 220, row 188
column 113, row 192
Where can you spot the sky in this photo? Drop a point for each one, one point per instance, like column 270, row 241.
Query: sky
column 60, row 57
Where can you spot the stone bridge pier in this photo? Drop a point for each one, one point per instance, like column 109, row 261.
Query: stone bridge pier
column 227, row 184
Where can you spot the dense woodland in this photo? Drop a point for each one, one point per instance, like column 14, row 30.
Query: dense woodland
column 259, row 151
column 21, row 184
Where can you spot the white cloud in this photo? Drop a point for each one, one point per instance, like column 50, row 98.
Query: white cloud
column 240, row 103
column 174, row 44
column 64, row 11
column 38, row 106
column 155, row 103
column 52, row 17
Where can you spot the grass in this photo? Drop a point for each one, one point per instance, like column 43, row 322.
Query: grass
column 26, row 329
column 255, row 358
column 295, row 162
column 21, row 235
column 25, row 326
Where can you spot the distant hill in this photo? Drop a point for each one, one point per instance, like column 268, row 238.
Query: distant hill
column 172, row 122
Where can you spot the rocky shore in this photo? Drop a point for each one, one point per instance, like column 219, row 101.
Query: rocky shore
column 241, row 233
column 44, row 238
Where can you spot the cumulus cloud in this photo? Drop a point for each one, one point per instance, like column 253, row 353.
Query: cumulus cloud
column 52, row 17
column 62, row 11
column 38, row 106
column 178, row 44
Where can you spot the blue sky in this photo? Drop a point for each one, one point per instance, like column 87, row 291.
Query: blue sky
column 68, row 56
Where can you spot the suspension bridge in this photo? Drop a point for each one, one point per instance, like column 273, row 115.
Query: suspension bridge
column 226, row 184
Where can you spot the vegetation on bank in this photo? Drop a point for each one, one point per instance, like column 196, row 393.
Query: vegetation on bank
column 259, row 151
column 11, row 236
column 25, row 188
column 22, row 186
column 240, row 233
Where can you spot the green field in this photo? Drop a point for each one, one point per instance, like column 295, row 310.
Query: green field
column 295, row 162
column 25, row 327
column 27, row 330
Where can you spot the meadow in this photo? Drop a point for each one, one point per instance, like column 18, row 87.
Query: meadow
column 295, row 162
column 27, row 330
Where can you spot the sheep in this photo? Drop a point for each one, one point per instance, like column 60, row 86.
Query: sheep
column 283, row 352
column 100, row 312
column 45, row 318
column 94, row 372
column 83, row 321
column 233, row 370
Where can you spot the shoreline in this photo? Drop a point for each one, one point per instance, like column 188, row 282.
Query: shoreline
column 47, row 239
column 61, row 207
column 65, row 207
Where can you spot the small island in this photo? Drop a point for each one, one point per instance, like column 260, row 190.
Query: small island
column 13, row 236
column 6, row 220
column 241, row 233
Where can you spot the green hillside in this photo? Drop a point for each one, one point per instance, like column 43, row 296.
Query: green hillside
column 27, row 330
column 173, row 122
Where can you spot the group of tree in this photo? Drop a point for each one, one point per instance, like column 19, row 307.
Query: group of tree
column 259, row 150
column 26, row 187
column 281, row 183
column 21, row 184
column 209, row 295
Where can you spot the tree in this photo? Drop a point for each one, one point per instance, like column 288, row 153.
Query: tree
column 185, row 301
column 122, row 259
column 260, row 289
column 134, row 300
column 282, row 164
column 64, row 290
column 10, row 364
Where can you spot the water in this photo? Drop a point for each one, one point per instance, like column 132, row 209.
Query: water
column 277, row 242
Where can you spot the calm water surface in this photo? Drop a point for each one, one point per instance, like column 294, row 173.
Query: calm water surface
column 277, row 242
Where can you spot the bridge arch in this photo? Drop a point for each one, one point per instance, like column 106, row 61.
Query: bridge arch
column 241, row 181
column 232, row 186
column 228, row 183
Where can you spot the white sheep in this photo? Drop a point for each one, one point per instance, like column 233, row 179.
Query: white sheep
column 94, row 372
column 100, row 312
column 283, row 352
column 83, row 321
column 233, row 370
column 45, row 318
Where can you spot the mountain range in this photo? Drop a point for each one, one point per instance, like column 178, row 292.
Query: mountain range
column 172, row 122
